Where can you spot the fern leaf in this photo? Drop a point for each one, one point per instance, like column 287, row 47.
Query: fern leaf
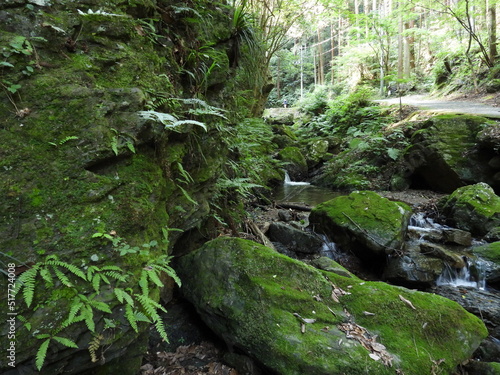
column 143, row 283
column 131, row 147
column 114, row 145
column 94, row 345
column 129, row 314
column 116, row 276
column 46, row 276
column 99, row 305
column 25, row 322
column 160, row 328
column 65, row 341
column 74, row 309
column 122, row 295
column 153, row 276
column 188, row 197
column 169, row 271
column 27, row 282
column 72, row 268
column 141, row 317
column 87, row 314
column 96, row 282
column 187, row 122
column 62, row 277
column 119, row 294
column 104, row 278
column 41, row 354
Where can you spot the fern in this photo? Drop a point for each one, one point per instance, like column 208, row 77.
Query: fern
column 94, row 345
column 26, row 282
column 129, row 314
column 169, row 121
column 187, row 196
column 41, row 353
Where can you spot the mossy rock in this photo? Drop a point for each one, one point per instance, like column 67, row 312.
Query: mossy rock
column 256, row 300
column 444, row 153
column 474, row 208
column 489, row 252
column 295, row 162
column 370, row 225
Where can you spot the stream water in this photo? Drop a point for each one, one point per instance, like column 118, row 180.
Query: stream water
column 294, row 191
column 473, row 275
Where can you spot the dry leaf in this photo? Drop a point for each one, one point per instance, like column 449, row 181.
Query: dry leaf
column 367, row 313
column 407, row 302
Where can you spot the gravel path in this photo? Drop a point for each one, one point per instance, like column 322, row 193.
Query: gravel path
column 446, row 106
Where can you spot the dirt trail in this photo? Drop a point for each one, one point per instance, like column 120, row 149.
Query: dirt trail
column 446, row 106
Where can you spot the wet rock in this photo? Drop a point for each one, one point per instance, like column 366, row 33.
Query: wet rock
column 437, row 251
column 413, row 269
column 364, row 222
column 491, row 253
column 457, row 236
column 294, row 319
column 295, row 163
column 473, row 208
column 295, row 240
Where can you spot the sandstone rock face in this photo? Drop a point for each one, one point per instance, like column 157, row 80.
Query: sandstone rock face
column 294, row 319
column 370, row 225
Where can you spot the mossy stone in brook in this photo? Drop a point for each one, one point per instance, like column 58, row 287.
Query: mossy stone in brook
column 364, row 222
column 295, row 162
column 474, row 208
column 257, row 301
column 490, row 251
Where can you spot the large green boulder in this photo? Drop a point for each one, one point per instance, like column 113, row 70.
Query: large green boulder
column 363, row 221
column 294, row 319
column 474, row 208
column 491, row 253
column 444, row 153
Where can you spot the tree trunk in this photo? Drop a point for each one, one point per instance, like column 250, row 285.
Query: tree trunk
column 492, row 32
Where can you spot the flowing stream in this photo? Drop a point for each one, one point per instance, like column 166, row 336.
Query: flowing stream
column 299, row 191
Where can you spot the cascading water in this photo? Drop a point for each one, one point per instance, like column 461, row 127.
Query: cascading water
column 288, row 181
column 472, row 275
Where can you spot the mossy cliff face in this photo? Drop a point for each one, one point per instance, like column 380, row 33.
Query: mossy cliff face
column 76, row 158
column 365, row 222
column 257, row 300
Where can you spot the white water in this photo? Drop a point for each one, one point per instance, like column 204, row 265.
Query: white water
column 472, row 275
column 288, row 181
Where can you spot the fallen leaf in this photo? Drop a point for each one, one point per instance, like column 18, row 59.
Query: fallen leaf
column 367, row 313
column 407, row 302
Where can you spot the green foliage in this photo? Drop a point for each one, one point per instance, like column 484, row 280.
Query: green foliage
column 59, row 275
column 119, row 139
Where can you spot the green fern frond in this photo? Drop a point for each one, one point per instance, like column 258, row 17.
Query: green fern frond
column 53, row 261
column 169, row 271
column 25, row 322
column 96, row 282
column 73, row 311
column 129, row 314
column 26, row 282
column 187, row 196
column 153, row 276
column 41, row 354
column 87, row 315
column 47, row 277
column 122, row 295
column 65, row 341
column 116, row 275
column 62, row 277
column 160, row 328
column 99, row 305
column 143, row 283
column 141, row 317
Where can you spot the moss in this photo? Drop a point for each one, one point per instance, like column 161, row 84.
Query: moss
column 377, row 222
column 249, row 295
column 489, row 252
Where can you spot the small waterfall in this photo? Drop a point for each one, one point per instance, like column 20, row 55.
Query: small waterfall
column 288, row 181
column 329, row 248
column 473, row 275
column 419, row 220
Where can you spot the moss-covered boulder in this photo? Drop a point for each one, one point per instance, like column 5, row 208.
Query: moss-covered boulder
column 294, row 319
column 491, row 253
column 474, row 208
column 364, row 222
column 444, row 155
column 295, row 162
